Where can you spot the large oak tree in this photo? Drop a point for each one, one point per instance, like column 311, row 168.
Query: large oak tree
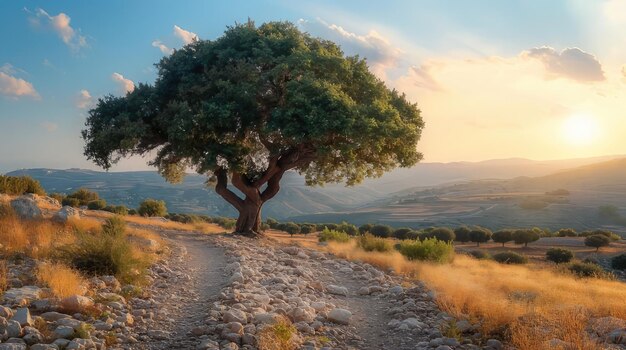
column 253, row 104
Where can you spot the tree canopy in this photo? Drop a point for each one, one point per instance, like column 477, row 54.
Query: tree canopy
column 253, row 104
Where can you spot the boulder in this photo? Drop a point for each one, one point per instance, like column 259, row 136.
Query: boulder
column 26, row 208
column 22, row 315
column 12, row 346
column 19, row 295
column 65, row 214
column 337, row 290
column 76, row 303
column 266, row 318
column 63, row 332
column 340, row 316
column 235, row 315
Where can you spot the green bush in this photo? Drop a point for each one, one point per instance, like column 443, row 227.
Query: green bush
column 132, row 212
column 597, row 241
column 152, row 207
column 19, row 185
column 332, row 235
column 479, row 235
column 117, row 209
column 291, row 228
column 619, row 262
column 583, row 269
column 567, row 232
column 98, row 204
column 307, row 228
column 84, row 196
column 502, row 236
column 612, row 236
column 401, row 233
column 365, row 228
column 115, row 226
column 272, row 223
column 462, row 234
column 479, row 254
column 72, row 202
column 371, row 243
column 525, row 236
column 321, row 227
column 559, row 255
column 383, row 231
column 441, row 233
column 510, row 258
column 348, row 228
column 227, row 223
column 429, row 249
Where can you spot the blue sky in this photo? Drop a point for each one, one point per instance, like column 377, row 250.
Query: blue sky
column 52, row 70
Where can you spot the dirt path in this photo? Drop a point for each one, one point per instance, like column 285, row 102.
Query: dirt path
column 191, row 285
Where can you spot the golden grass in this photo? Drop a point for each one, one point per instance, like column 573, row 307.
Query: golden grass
column 526, row 305
column 166, row 225
column 279, row 336
column 62, row 280
column 4, row 283
column 35, row 238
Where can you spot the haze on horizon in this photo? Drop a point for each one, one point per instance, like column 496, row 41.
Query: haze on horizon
column 525, row 79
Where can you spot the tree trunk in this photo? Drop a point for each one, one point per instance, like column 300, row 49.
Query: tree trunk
column 249, row 221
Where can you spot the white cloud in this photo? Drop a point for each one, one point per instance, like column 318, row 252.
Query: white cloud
column 164, row 49
column 380, row 53
column 49, row 126
column 84, row 99
column 186, row 36
column 126, row 85
column 61, row 25
column 572, row 63
column 12, row 86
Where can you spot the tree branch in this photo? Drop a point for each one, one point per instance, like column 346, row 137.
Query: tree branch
column 243, row 185
column 222, row 189
column 273, row 186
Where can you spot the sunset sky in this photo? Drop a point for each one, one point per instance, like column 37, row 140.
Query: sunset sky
column 494, row 79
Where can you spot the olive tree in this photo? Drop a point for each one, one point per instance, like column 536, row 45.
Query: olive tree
column 253, row 104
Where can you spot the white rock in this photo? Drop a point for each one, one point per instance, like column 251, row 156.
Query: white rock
column 341, row 316
column 22, row 315
column 266, row 318
column 364, row 291
column 337, row 290
column 236, row 277
column 76, row 302
column 65, row 214
column 17, row 295
column 235, row 315
column 26, row 208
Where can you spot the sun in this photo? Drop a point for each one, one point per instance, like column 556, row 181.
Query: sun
column 580, row 129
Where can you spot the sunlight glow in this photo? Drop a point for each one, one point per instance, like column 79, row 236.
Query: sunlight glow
column 580, row 129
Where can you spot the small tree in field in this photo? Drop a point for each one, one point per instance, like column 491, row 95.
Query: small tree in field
column 567, row 232
column 479, row 235
column 152, row 207
column 525, row 236
column 383, row 231
column 502, row 236
column 597, row 241
column 462, row 234
column 443, row 234
column 253, row 104
column 559, row 255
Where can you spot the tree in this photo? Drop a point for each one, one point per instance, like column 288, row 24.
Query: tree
column 597, row 241
column 525, row 236
column 291, row 228
column 347, row 228
column 98, row 204
column 462, row 234
column 365, row 228
column 272, row 223
column 479, row 235
column 502, row 236
column 252, row 105
column 401, row 233
column 307, row 228
column 567, row 232
column 152, row 207
column 559, row 255
column 441, row 233
column 381, row 231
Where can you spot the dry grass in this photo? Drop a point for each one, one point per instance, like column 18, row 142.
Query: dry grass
column 4, row 283
column 525, row 305
column 35, row 238
column 165, row 224
column 280, row 336
column 62, row 280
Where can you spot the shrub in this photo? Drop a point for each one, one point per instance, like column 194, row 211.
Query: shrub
column 72, row 202
column 347, row 228
column 132, row 212
column 502, row 236
column 84, row 196
column 479, row 235
column 320, row 227
column 619, row 262
column 427, row 250
column 19, row 185
column 383, row 231
column 98, row 204
column 559, row 255
column 597, row 241
column 152, row 207
column 612, row 236
column 62, row 280
column 114, row 227
column 58, row 196
column 401, row 233
column 291, row 228
column 271, row 222
column 117, row 209
column 307, row 228
column 365, row 228
column 461, row 234
column 332, row 235
column 567, row 232
column 371, row 243
column 479, row 254
column 4, row 273
column 280, row 336
column 510, row 258
column 525, row 236
column 227, row 223
column 441, row 233
column 583, row 269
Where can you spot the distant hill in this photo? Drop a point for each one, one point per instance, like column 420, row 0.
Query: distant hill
column 295, row 199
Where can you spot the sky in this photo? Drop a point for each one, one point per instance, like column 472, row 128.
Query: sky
column 494, row 79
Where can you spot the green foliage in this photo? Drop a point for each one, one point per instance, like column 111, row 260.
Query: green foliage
column 525, row 236
column 365, row 228
column 72, row 202
column 98, row 204
column 430, row 249
column 583, row 269
column 290, row 227
column 348, row 228
column 152, row 207
column 330, row 226
column 401, row 233
column 19, row 185
column 441, row 233
column 510, row 258
column 619, row 262
column 371, row 243
column 559, row 255
column 567, row 232
column 502, row 236
column 132, row 211
column 479, row 235
column 332, row 235
column 597, row 241
column 84, row 196
column 115, row 226
column 227, row 223
column 612, row 236
column 272, row 223
column 117, row 209
column 307, row 228
column 462, row 234
column 58, row 196
column 383, row 231
column 479, row 254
